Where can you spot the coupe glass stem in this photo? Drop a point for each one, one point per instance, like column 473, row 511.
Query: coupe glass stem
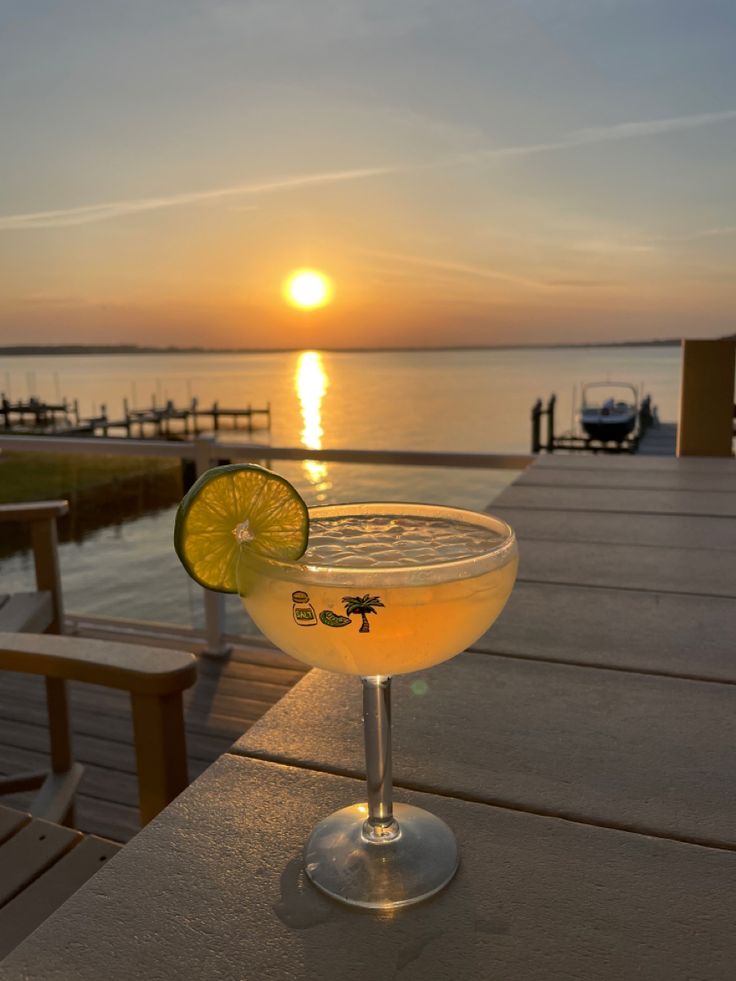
column 381, row 826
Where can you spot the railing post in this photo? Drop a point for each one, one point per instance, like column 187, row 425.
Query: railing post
column 705, row 426
column 551, row 424
column 214, row 603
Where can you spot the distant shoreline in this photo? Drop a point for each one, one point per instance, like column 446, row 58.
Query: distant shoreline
column 31, row 350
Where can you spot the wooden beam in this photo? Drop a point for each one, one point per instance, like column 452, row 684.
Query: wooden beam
column 33, row 511
column 46, row 560
column 706, row 398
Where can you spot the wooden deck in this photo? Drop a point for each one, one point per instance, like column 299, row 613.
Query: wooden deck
column 582, row 752
column 230, row 695
column 627, row 563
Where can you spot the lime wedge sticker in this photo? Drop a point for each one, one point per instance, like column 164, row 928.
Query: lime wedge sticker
column 230, row 508
column 331, row 619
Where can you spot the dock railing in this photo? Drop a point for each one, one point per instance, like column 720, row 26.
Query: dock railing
column 206, row 451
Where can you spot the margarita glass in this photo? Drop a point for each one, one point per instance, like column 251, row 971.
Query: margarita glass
column 382, row 589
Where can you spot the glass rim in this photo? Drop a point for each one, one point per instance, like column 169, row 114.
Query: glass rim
column 458, row 568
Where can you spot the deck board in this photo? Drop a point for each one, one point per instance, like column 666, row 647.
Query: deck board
column 615, row 480
column 637, row 464
column 614, row 748
column 637, row 530
column 620, row 501
column 704, row 572
column 635, row 630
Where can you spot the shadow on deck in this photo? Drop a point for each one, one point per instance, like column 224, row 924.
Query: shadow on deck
column 230, row 695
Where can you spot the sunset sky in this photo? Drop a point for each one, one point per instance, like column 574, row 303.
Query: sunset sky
column 466, row 172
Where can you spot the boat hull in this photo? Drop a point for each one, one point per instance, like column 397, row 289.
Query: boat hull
column 613, row 430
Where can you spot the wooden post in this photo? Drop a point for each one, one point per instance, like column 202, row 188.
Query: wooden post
column 160, row 748
column 551, row 424
column 536, row 419
column 60, row 743
column 46, row 560
column 705, row 426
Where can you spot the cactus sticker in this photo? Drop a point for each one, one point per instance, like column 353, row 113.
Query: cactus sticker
column 303, row 611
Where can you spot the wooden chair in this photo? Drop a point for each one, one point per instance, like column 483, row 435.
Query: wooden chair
column 41, row 862
column 155, row 679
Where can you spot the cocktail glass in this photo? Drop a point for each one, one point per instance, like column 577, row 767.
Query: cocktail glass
column 382, row 589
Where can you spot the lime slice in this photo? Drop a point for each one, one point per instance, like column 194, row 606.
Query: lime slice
column 238, row 506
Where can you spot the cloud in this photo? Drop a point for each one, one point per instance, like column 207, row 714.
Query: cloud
column 89, row 213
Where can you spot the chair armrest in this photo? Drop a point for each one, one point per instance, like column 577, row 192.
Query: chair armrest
column 138, row 670
column 33, row 511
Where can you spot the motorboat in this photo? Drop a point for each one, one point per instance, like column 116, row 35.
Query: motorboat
column 609, row 410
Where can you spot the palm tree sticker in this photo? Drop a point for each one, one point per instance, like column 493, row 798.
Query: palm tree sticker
column 362, row 605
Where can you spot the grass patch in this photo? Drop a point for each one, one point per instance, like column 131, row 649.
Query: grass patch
column 44, row 476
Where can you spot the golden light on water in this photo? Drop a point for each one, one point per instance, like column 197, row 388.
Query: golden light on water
column 307, row 289
column 311, row 382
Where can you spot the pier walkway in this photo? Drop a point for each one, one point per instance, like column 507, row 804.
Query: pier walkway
column 659, row 440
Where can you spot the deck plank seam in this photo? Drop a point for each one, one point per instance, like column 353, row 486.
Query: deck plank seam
column 617, row 511
column 619, row 669
column 544, row 485
column 660, row 590
column 568, row 816
column 626, row 545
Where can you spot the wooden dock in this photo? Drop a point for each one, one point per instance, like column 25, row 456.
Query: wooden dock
column 230, row 695
column 659, row 440
column 649, row 436
column 36, row 417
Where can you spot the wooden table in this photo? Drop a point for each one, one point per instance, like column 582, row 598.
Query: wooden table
column 583, row 754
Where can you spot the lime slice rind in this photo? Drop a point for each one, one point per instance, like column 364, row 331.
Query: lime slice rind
column 217, row 504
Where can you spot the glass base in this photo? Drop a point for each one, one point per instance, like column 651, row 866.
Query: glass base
column 341, row 861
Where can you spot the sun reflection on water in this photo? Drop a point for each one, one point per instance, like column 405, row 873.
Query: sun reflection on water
column 311, row 382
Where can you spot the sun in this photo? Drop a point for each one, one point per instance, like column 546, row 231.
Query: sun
column 307, row 289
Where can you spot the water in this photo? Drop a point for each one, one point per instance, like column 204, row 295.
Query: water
column 442, row 400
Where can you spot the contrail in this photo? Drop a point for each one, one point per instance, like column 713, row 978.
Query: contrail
column 88, row 213
column 460, row 268
column 599, row 134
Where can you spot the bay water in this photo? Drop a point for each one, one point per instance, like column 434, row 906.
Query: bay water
column 457, row 400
